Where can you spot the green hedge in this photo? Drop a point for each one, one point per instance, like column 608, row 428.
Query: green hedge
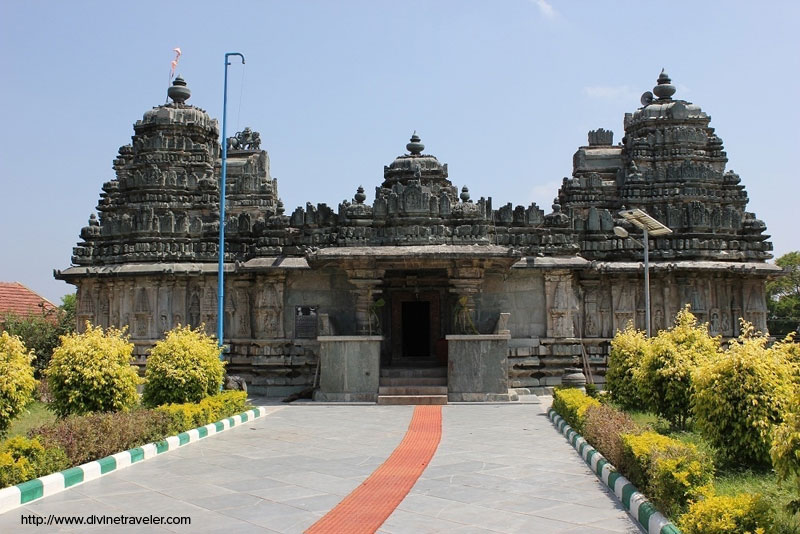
column 90, row 437
column 571, row 404
column 670, row 472
column 603, row 427
column 183, row 417
column 22, row 459
column 75, row 440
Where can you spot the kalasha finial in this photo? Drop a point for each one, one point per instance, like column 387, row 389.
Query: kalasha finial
column 664, row 90
column 415, row 147
column 178, row 91
column 464, row 194
column 360, row 197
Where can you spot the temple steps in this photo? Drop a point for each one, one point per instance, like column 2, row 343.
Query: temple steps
column 411, row 399
column 416, row 372
column 408, row 389
column 413, row 385
column 414, row 381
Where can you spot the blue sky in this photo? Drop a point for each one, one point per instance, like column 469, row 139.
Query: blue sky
column 502, row 91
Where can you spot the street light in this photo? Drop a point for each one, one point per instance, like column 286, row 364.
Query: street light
column 649, row 226
column 221, row 273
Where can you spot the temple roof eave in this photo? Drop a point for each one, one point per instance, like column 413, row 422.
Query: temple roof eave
column 195, row 268
column 666, row 266
column 419, row 252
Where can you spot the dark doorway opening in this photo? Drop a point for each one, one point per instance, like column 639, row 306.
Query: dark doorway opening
column 416, row 329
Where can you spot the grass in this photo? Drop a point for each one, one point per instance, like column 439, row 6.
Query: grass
column 35, row 414
column 732, row 481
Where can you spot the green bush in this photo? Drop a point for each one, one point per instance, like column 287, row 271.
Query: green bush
column 603, row 427
column 91, row 437
column 184, row 367
column 23, row 459
column 571, row 404
column 637, row 453
column 740, row 397
column 679, row 475
column 628, row 349
column 785, row 451
column 92, row 372
column 739, row 514
column 664, row 376
column 184, row 417
column 16, row 379
column 670, row 472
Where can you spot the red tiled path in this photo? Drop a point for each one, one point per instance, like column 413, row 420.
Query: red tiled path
column 368, row 506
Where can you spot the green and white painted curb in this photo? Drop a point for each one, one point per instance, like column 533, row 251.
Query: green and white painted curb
column 15, row 496
column 634, row 502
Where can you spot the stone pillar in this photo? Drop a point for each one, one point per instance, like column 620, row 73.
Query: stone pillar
column 465, row 290
column 465, row 282
column 560, row 304
column 365, row 292
column 85, row 306
column 366, row 280
column 113, row 304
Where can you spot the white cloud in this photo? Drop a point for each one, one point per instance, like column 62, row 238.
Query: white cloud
column 609, row 92
column 545, row 8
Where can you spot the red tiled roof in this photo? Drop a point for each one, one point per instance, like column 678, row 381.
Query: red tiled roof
column 18, row 299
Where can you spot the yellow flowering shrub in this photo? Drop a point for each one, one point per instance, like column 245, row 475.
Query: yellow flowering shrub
column 209, row 410
column 184, row 367
column 717, row 514
column 785, row 451
column 23, row 459
column 637, row 452
column 92, row 372
column 16, row 379
column 671, row 473
column 741, row 396
column 664, row 376
column 571, row 404
column 628, row 349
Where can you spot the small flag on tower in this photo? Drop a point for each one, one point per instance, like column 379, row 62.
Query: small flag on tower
column 174, row 63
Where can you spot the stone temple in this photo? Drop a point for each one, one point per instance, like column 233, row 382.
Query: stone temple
column 476, row 298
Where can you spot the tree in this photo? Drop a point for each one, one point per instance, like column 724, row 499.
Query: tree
column 783, row 297
column 40, row 333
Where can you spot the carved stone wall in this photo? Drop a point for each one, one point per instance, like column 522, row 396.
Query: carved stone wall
column 147, row 260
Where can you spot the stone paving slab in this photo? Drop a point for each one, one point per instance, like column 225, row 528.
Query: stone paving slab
column 499, row 469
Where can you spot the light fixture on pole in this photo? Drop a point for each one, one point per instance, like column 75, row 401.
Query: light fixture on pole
column 649, row 226
column 221, row 273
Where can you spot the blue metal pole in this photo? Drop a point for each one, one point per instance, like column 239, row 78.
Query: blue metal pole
column 221, row 271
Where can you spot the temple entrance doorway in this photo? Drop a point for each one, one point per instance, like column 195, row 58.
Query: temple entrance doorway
column 416, row 327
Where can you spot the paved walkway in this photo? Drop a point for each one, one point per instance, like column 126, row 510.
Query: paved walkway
column 498, row 468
